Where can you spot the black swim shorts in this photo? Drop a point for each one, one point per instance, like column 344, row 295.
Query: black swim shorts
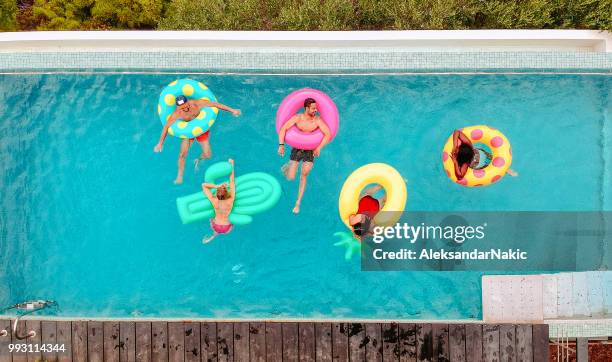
column 301, row 155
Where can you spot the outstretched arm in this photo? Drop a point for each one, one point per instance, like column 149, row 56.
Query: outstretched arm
column 223, row 107
column 164, row 133
column 326, row 136
column 232, row 182
column 281, row 134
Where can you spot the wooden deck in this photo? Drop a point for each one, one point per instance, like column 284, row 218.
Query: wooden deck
column 271, row 341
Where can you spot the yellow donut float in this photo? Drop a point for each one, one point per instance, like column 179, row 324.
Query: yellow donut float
column 374, row 173
column 500, row 162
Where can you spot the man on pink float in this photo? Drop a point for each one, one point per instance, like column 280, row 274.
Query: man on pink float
column 307, row 122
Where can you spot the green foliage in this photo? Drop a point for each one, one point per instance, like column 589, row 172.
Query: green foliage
column 8, row 15
column 317, row 15
column 128, row 13
column 97, row 14
column 309, row 14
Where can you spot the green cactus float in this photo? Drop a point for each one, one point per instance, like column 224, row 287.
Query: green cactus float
column 256, row 192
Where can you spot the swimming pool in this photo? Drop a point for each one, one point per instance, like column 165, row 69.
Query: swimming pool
column 88, row 210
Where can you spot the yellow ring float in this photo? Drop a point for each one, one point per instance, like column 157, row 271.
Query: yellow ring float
column 500, row 162
column 374, row 173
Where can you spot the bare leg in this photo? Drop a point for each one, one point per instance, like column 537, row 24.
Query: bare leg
column 206, row 153
column 290, row 169
column 306, row 167
column 208, row 239
column 181, row 160
column 511, row 172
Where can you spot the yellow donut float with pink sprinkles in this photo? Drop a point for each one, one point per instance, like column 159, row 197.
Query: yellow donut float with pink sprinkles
column 501, row 159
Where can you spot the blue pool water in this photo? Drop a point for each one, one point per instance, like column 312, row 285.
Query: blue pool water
column 88, row 216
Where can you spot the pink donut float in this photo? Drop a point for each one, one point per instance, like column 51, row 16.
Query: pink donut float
column 293, row 103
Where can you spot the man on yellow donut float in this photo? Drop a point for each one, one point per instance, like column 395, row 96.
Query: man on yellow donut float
column 187, row 110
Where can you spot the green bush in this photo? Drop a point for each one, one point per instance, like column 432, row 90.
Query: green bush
column 8, row 15
column 128, row 13
column 97, row 14
column 308, row 14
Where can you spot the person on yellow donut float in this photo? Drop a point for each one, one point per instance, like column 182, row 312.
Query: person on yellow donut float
column 467, row 156
column 362, row 220
column 187, row 110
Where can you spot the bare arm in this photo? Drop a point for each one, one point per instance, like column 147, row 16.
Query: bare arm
column 223, row 107
column 232, row 182
column 326, row 135
column 206, row 189
column 460, row 171
column 281, row 134
column 164, row 133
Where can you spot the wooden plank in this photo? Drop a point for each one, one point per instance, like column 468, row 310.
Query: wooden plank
column 79, row 340
column 407, row 342
column 473, row 342
column 290, row 342
column 540, row 342
column 274, row 342
column 390, row 337
column 339, row 342
column 110, row 341
column 192, row 341
column 257, row 341
column 507, row 343
column 440, row 339
column 176, row 342
column 95, row 341
column 425, row 348
column 208, row 341
column 356, row 340
column 373, row 342
column 241, row 341
column 582, row 350
column 456, row 342
column 490, row 342
column 5, row 355
column 524, row 344
column 323, row 342
column 64, row 338
column 34, row 326
column 143, row 341
column 225, row 341
column 48, row 335
column 159, row 341
column 21, row 330
column 127, row 341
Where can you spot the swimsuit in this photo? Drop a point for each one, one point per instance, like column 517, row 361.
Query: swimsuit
column 368, row 206
column 203, row 137
column 220, row 229
column 301, row 155
column 481, row 159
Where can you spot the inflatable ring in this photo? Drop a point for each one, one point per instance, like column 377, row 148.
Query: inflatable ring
column 293, row 103
column 192, row 90
column 374, row 173
column 500, row 162
column 256, row 192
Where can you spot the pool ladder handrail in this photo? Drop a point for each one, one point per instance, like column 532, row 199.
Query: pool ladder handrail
column 29, row 307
